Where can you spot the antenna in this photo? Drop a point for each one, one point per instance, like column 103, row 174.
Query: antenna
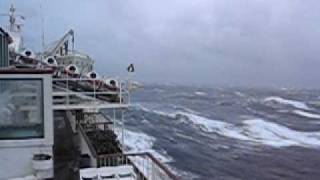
column 14, row 27
column 42, row 27
column 42, row 30
column 12, row 18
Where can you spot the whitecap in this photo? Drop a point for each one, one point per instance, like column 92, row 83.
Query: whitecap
column 257, row 131
column 240, row 94
column 157, row 112
column 276, row 135
column 140, row 107
column 208, row 125
column 294, row 103
column 183, row 174
column 306, row 114
column 200, row 93
column 138, row 142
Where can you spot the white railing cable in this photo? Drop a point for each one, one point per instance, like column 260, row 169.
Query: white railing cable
column 88, row 90
column 145, row 165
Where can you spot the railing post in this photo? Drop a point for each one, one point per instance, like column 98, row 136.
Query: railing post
column 128, row 90
column 129, row 97
column 143, row 165
column 152, row 171
column 120, row 86
column 148, row 168
column 122, row 120
column 67, row 89
column 94, row 90
column 114, row 119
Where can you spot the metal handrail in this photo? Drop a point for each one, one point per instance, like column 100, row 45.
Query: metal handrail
column 146, row 165
column 89, row 89
column 88, row 142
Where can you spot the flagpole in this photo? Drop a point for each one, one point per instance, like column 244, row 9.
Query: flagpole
column 130, row 70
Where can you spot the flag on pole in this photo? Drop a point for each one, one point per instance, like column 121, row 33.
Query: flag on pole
column 130, row 68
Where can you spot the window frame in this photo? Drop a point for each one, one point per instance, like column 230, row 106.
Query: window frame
column 41, row 103
column 47, row 140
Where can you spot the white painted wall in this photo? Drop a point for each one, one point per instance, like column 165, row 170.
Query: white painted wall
column 17, row 161
column 16, row 155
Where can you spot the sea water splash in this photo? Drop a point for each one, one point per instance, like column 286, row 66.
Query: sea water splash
column 253, row 130
column 200, row 93
column 294, row 103
column 258, row 131
column 306, row 114
column 140, row 107
column 157, row 112
column 210, row 126
column 240, row 94
column 138, row 142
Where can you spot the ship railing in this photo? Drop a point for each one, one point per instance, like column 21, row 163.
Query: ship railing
column 146, row 166
column 96, row 121
column 79, row 93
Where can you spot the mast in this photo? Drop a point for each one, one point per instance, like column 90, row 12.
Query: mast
column 13, row 26
column 12, row 18
column 42, row 31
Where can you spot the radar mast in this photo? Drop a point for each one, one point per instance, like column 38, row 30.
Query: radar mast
column 14, row 26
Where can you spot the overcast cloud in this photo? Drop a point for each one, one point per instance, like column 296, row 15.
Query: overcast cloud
column 214, row 42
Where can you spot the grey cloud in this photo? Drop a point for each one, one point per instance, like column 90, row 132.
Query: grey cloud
column 214, row 42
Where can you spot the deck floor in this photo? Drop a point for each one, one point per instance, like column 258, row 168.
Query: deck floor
column 66, row 153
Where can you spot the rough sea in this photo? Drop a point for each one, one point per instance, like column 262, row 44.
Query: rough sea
column 228, row 133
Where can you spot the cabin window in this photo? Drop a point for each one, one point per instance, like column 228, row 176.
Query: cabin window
column 21, row 109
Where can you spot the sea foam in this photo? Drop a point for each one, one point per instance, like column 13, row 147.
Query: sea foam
column 138, row 142
column 294, row 103
column 254, row 130
column 258, row 131
column 200, row 93
column 306, row 114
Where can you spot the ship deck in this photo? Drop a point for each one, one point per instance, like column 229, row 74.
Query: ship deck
column 66, row 153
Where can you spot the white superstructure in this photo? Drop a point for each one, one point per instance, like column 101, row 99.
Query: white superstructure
column 50, row 118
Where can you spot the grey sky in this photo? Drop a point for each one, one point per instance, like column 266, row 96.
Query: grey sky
column 214, row 42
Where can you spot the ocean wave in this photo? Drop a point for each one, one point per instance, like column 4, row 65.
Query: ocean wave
column 138, row 142
column 258, row 131
column 240, row 94
column 180, row 95
column 294, row 103
column 147, row 110
column 158, row 90
column 183, row 174
column 163, row 113
column 252, row 130
column 306, row 114
column 210, row 126
column 200, row 93
column 140, row 107
column 188, row 137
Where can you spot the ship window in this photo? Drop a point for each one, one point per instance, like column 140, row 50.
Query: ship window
column 21, row 109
